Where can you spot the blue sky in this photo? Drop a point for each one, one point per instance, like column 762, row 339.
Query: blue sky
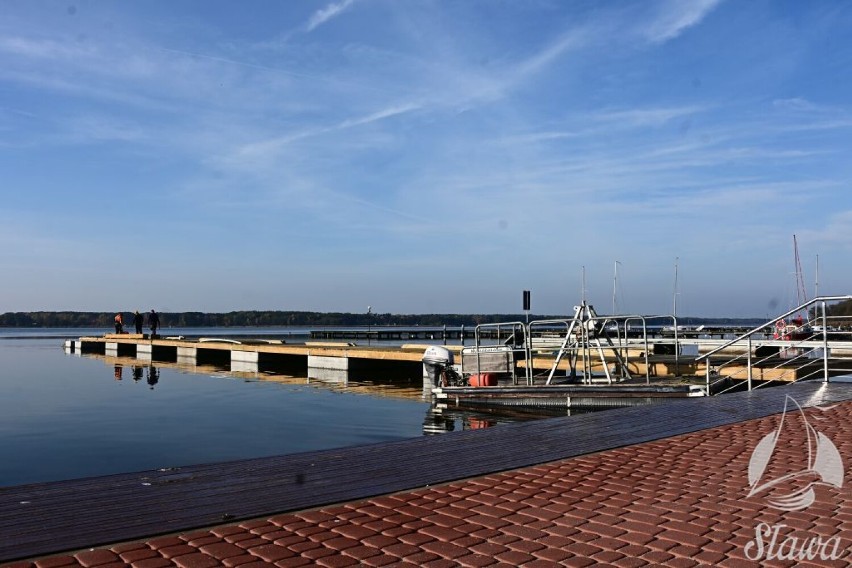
column 423, row 156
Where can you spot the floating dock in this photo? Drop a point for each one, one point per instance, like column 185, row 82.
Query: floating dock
column 668, row 377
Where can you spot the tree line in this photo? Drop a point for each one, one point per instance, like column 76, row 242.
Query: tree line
column 251, row 318
column 270, row 318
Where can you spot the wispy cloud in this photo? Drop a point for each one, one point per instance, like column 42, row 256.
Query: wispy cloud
column 323, row 15
column 268, row 149
column 676, row 16
column 572, row 40
column 646, row 116
column 43, row 48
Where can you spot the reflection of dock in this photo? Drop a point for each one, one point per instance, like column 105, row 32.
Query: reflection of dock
column 391, row 388
column 341, row 362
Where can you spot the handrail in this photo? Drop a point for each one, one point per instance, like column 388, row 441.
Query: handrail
column 772, row 322
column 789, row 346
column 514, row 326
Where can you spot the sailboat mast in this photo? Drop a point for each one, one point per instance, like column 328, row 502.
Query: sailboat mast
column 674, row 298
column 614, row 287
column 816, row 278
column 801, row 294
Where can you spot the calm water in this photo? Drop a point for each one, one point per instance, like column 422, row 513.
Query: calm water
column 64, row 416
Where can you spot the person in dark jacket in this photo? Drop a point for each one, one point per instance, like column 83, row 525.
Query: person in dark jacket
column 153, row 322
column 137, row 321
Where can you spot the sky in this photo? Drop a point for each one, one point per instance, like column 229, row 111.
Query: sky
column 424, row 156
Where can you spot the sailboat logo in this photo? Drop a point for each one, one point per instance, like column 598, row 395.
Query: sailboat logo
column 795, row 489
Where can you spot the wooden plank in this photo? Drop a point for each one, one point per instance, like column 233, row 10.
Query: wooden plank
column 44, row 518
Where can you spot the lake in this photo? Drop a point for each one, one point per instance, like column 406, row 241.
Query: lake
column 64, row 416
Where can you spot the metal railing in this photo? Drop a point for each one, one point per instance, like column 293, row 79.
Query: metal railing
column 778, row 351
column 512, row 337
column 590, row 343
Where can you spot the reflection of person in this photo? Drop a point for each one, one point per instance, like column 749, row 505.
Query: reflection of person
column 137, row 321
column 153, row 322
column 137, row 373
column 119, row 323
column 118, row 371
column 436, row 423
column 153, row 376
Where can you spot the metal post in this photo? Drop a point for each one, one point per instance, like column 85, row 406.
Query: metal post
column 707, row 376
column 824, row 344
column 369, row 323
column 461, row 335
column 749, row 362
column 444, row 332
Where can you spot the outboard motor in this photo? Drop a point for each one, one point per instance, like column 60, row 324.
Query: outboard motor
column 436, row 359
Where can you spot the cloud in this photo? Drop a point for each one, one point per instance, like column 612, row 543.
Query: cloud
column 646, row 116
column 42, row 49
column 572, row 40
column 834, row 231
column 676, row 16
column 323, row 15
column 268, row 149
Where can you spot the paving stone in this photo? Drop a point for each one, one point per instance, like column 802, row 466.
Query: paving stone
column 128, row 546
column 251, row 542
column 380, row 560
column 54, row 562
column 158, row 562
column 173, row 551
column 96, row 557
column 166, row 541
column 475, row 560
column 210, row 539
column 337, row 561
column 233, row 561
column 196, row 560
column 445, row 549
column 137, row 554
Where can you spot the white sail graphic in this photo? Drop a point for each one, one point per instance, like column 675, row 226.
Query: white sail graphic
column 794, row 491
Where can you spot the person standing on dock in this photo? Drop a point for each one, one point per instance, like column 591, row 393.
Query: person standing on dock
column 137, row 321
column 153, row 322
column 119, row 323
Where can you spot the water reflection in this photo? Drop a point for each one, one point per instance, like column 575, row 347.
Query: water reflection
column 153, row 376
column 441, row 418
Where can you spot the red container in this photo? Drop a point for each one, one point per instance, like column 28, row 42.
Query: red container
column 483, row 380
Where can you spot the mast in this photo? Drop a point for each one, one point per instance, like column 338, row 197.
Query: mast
column 614, row 287
column 674, row 298
column 801, row 294
column 816, row 278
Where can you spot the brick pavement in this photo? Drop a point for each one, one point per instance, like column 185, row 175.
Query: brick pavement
column 680, row 501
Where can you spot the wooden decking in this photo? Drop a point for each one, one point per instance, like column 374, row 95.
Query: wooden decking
column 44, row 518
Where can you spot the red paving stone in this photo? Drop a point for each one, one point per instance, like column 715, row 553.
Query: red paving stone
column 676, row 502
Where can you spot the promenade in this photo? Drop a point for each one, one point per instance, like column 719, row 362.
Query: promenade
column 671, row 488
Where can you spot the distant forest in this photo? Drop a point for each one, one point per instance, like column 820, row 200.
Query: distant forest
column 288, row 318
column 251, row 319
